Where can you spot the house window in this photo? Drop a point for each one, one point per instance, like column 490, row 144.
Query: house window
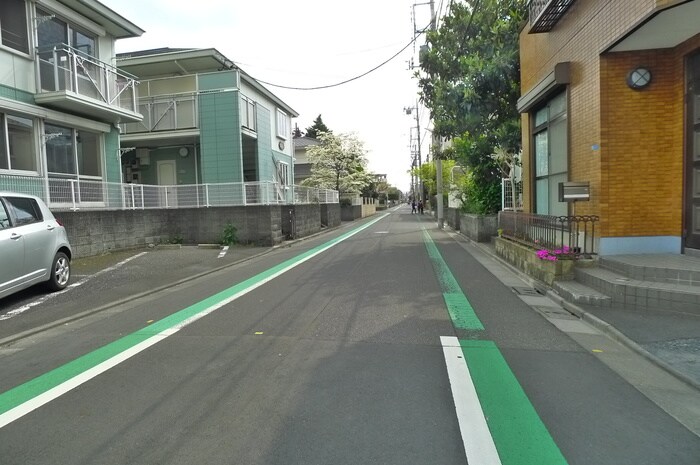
column 248, row 118
column 283, row 173
column 17, row 151
column 550, row 143
column 13, row 25
column 283, row 130
column 72, row 153
column 55, row 31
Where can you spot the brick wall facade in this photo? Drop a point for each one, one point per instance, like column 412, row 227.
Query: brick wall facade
column 629, row 144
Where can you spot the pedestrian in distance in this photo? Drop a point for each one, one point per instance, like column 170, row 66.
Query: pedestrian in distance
column 413, row 207
column 420, row 207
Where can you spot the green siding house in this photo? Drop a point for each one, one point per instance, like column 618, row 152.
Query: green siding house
column 206, row 122
column 62, row 99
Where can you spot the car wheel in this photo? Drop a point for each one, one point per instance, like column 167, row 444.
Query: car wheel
column 60, row 272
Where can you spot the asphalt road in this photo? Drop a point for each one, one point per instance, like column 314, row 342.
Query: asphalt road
column 334, row 350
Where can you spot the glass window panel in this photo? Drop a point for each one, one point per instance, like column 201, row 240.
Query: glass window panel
column 542, row 196
column 13, row 25
column 4, row 218
column 541, row 154
column 4, row 155
column 557, row 106
column 541, row 116
column 84, row 43
column 557, row 147
column 20, row 135
column 51, row 32
column 26, row 210
column 252, row 124
column 282, row 128
column 60, row 157
column 694, row 68
column 89, row 160
column 556, row 207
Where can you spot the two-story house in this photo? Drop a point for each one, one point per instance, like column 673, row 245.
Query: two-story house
column 206, row 122
column 302, row 165
column 611, row 99
column 62, row 98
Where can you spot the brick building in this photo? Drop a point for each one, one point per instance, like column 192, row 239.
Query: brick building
column 611, row 96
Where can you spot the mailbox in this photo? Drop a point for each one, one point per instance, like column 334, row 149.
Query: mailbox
column 573, row 191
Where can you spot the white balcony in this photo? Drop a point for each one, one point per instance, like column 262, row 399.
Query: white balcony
column 72, row 81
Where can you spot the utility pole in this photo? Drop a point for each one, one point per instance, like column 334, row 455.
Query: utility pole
column 438, row 160
column 417, row 152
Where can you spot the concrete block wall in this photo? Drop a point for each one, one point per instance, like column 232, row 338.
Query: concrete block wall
column 300, row 220
column 98, row 232
column 480, row 228
column 330, row 215
column 452, row 218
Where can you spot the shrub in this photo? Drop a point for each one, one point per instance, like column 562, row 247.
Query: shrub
column 228, row 237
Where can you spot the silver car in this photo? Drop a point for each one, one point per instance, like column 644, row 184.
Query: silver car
column 34, row 246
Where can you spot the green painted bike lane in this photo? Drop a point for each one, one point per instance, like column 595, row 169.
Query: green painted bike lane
column 36, row 392
column 520, row 436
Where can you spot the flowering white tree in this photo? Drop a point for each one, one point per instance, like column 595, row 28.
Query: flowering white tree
column 339, row 162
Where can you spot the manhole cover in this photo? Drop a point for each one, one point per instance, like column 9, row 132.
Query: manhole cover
column 526, row 291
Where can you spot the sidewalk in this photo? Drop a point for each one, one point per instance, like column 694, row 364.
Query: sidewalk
column 668, row 338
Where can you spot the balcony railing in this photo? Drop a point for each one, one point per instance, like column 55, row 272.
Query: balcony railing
column 165, row 113
column 64, row 69
column 544, row 14
column 84, row 194
column 575, row 235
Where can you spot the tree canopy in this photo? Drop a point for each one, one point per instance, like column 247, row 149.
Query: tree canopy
column 470, row 81
column 339, row 162
column 317, row 128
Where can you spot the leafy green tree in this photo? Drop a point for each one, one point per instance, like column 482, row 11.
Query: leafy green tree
column 427, row 172
column 393, row 194
column 339, row 162
column 317, row 128
column 470, row 81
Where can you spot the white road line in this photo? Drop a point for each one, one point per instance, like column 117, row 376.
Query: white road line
column 478, row 443
column 18, row 311
column 222, row 254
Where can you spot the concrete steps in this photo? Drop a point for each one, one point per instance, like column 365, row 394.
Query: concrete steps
column 658, row 282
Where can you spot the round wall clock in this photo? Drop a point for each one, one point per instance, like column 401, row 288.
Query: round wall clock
column 639, row 78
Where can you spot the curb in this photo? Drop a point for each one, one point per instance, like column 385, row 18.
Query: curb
column 620, row 337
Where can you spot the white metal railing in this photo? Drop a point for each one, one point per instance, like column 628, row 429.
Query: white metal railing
column 63, row 68
column 86, row 194
column 165, row 113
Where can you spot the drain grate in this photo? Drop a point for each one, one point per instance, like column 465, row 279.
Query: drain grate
column 526, row 291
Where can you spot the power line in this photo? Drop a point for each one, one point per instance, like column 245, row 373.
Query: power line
column 353, row 78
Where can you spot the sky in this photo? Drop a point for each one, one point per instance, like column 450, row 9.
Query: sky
column 310, row 43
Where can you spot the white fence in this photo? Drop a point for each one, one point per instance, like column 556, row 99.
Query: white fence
column 73, row 194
